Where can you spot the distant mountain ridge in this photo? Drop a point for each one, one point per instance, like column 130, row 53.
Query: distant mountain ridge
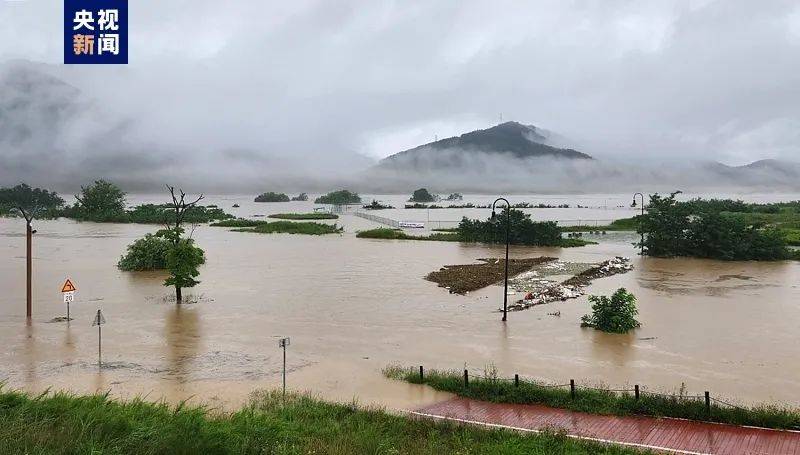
column 509, row 138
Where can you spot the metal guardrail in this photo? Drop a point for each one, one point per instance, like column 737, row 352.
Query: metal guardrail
column 378, row 219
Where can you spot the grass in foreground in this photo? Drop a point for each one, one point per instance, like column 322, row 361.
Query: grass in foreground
column 599, row 401
column 443, row 235
column 305, row 216
column 61, row 423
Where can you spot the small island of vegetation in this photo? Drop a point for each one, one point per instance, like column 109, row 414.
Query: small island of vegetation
column 719, row 229
column 280, row 227
column 304, row 216
column 422, row 195
column 104, row 202
column 300, row 197
column 272, row 197
column 523, row 231
column 375, row 205
column 341, row 197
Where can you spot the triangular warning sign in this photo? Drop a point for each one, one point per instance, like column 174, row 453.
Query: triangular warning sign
column 68, row 286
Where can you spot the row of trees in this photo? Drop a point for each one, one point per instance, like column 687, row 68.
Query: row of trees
column 103, row 201
column 523, row 230
column 707, row 229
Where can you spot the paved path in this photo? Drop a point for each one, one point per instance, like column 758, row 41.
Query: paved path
column 670, row 435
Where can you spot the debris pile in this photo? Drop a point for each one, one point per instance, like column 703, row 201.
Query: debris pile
column 607, row 268
column 540, row 291
column 461, row 279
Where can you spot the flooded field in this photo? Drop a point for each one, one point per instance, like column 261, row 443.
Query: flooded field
column 352, row 306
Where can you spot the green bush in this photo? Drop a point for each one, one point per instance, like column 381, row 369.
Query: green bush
column 147, row 253
column 616, row 314
column 150, row 253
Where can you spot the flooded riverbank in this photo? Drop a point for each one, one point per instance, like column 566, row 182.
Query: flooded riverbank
column 352, row 306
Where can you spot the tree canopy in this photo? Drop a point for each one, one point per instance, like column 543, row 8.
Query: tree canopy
column 29, row 203
column 422, row 195
column 101, row 201
column 523, row 231
column 706, row 229
column 271, row 197
column 340, row 197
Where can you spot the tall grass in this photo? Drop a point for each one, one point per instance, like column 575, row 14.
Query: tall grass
column 599, row 401
column 61, row 423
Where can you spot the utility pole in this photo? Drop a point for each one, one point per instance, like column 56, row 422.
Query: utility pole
column 29, row 269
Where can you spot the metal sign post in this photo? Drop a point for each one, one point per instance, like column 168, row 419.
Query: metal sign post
column 69, row 297
column 99, row 320
column 283, row 342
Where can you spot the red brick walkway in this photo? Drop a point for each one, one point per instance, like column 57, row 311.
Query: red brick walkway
column 670, row 435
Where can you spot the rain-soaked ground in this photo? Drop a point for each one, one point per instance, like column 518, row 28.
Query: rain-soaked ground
column 352, row 306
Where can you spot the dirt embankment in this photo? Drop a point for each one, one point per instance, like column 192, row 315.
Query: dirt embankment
column 460, row 279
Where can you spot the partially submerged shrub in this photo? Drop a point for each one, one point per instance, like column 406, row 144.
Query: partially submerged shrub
column 616, row 314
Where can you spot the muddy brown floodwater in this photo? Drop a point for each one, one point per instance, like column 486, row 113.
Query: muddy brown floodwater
column 351, row 306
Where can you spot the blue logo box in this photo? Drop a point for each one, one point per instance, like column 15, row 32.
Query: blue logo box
column 96, row 32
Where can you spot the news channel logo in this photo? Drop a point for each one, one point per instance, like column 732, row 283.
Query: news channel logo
column 96, row 32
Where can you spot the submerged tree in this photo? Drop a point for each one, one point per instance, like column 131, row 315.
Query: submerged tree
column 616, row 314
column 29, row 203
column 101, row 201
column 182, row 258
column 422, row 195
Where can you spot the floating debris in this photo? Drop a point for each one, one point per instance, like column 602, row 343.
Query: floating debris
column 540, row 291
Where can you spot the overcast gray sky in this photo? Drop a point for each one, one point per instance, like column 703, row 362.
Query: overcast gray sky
column 324, row 83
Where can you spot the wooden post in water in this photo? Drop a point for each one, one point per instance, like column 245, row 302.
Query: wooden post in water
column 636, row 391
column 421, row 373
column 466, row 378
column 708, row 402
column 572, row 388
column 516, row 380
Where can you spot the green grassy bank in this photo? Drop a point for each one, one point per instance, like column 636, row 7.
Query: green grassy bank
column 600, row 401
column 444, row 236
column 67, row 424
column 280, row 227
column 305, row 216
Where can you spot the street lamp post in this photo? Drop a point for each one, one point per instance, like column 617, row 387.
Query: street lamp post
column 508, row 231
column 641, row 220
